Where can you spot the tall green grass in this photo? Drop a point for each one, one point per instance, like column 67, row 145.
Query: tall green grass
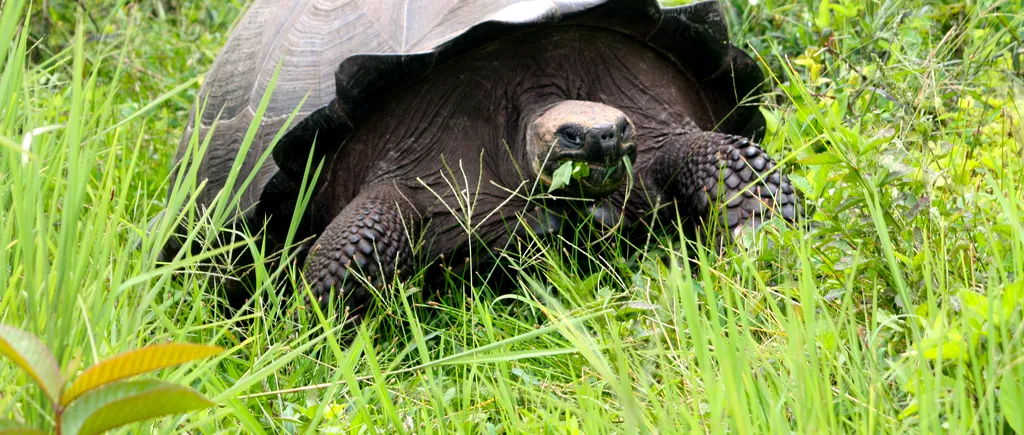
column 895, row 306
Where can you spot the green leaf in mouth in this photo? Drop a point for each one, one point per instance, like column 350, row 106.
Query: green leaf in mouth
column 566, row 172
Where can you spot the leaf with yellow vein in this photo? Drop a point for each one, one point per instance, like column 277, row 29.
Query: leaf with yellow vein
column 32, row 356
column 136, row 362
column 126, row 402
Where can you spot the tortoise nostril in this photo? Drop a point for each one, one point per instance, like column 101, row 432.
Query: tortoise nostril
column 606, row 137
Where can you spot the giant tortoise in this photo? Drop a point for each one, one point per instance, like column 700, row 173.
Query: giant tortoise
column 428, row 114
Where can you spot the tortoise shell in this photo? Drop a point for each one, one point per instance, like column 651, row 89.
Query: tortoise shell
column 332, row 56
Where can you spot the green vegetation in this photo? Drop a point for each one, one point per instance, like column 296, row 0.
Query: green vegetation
column 102, row 397
column 895, row 306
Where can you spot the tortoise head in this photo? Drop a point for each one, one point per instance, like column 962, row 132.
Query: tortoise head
column 584, row 132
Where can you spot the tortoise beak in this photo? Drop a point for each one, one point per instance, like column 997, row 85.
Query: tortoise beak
column 594, row 137
column 603, row 149
column 607, row 144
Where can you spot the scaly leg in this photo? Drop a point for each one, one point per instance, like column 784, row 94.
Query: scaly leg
column 367, row 244
column 705, row 168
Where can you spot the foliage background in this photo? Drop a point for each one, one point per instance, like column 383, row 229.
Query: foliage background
column 895, row 307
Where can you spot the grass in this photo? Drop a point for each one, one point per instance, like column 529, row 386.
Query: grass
column 896, row 306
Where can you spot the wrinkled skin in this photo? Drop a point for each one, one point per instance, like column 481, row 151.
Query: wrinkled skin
column 485, row 120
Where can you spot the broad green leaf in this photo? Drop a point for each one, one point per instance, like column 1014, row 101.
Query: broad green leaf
column 823, row 19
column 909, row 411
column 802, row 184
column 136, row 362
column 951, row 346
column 32, row 356
column 825, row 158
column 771, row 121
column 8, row 427
column 1011, row 398
column 974, row 302
column 1012, row 297
column 632, row 307
column 120, row 403
column 580, row 169
column 561, row 176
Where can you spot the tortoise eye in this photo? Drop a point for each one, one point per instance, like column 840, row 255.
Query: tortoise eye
column 570, row 138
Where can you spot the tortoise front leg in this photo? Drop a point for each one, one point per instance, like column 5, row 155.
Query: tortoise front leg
column 366, row 244
column 702, row 169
